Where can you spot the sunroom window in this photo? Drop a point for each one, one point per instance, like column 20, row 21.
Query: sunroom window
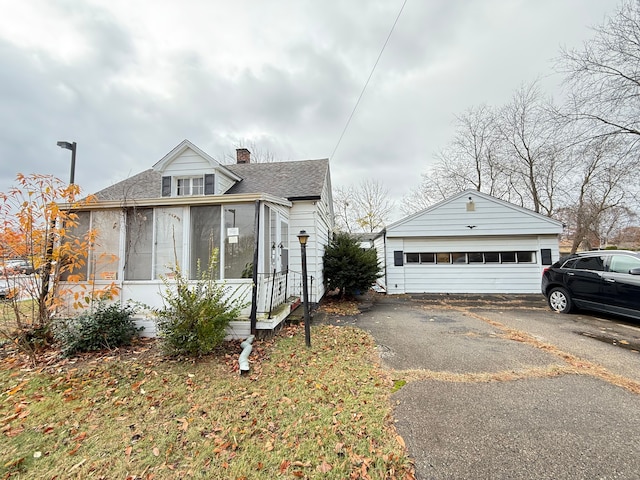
column 239, row 234
column 104, row 257
column 205, row 240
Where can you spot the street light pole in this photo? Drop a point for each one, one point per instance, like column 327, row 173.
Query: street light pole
column 303, row 237
column 70, row 146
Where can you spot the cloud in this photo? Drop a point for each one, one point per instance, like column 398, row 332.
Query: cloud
column 129, row 80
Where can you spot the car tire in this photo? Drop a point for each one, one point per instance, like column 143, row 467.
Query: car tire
column 560, row 300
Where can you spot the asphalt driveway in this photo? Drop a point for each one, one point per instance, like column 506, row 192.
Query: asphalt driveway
column 502, row 388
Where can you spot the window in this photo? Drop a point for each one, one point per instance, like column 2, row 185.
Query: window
column 590, row 263
column 443, row 258
column 266, row 235
column 427, row 258
column 623, row 263
column 491, row 257
column 508, row 257
column 77, row 233
column 190, row 186
column 525, row 257
column 413, row 258
column 139, row 248
column 284, row 244
column 459, row 257
column 205, row 239
column 169, row 239
column 239, row 240
column 476, row 257
column 466, row 258
column 104, row 258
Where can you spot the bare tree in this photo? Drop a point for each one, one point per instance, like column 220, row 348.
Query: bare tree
column 533, row 148
column 373, row 206
column 343, row 209
column 470, row 161
column 514, row 153
column 422, row 196
column 604, row 78
column 579, row 162
column 596, row 200
column 258, row 154
column 363, row 208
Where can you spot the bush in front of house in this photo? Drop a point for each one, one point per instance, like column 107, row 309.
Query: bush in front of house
column 103, row 327
column 348, row 267
column 195, row 315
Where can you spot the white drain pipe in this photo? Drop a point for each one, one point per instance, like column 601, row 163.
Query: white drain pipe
column 243, row 361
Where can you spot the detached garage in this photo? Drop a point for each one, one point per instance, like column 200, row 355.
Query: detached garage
column 469, row 243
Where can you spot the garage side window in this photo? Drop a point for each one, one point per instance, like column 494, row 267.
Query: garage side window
column 467, row 258
column 413, row 257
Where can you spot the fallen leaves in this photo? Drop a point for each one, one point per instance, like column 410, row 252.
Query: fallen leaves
column 340, row 307
column 301, row 414
column 324, row 467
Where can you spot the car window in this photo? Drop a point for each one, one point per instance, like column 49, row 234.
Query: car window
column 590, row 263
column 569, row 263
column 623, row 263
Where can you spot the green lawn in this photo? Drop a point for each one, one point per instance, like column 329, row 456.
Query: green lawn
column 322, row 412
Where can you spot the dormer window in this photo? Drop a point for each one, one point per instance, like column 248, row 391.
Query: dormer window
column 189, row 186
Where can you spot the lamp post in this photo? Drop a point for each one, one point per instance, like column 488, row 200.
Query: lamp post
column 303, row 237
column 70, row 146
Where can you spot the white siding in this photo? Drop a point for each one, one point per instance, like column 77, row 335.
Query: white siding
column 187, row 164
column 304, row 216
column 489, row 216
column 191, row 164
column 223, row 183
column 467, row 278
column 395, row 275
column 378, row 244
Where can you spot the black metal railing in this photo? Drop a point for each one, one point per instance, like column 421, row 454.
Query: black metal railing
column 295, row 284
column 275, row 288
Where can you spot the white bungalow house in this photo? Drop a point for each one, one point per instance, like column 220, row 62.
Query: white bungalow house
column 469, row 243
column 188, row 204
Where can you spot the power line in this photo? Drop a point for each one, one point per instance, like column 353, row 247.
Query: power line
column 368, row 79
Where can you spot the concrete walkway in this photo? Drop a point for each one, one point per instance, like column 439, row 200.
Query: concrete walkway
column 486, row 401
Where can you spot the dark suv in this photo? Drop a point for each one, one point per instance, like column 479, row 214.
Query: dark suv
column 604, row 280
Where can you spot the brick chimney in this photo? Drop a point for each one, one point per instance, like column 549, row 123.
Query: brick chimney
column 243, row 155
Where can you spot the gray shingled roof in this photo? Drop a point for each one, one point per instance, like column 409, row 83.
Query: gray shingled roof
column 290, row 180
column 146, row 184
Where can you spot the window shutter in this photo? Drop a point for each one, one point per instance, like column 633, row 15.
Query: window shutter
column 398, row 259
column 209, row 184
column 166, row 186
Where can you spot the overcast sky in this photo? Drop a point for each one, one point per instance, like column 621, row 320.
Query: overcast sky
column 130, row 79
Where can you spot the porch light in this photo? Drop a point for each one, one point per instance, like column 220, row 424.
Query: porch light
column 303, row 237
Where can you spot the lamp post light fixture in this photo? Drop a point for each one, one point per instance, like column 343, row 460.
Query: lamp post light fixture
column 303, row 237
column 70, row 146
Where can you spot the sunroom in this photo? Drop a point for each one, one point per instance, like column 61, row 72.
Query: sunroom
column 138, row 245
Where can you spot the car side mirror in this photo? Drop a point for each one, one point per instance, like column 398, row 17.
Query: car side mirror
column 635, row 271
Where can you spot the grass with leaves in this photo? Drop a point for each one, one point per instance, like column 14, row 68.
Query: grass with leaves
column 322, row 412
